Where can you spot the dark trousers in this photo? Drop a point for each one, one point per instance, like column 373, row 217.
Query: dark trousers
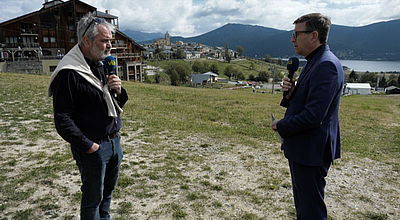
column 309, row 190
column 99, row 175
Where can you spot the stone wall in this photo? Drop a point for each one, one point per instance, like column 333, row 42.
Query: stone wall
column 29, row 66
column 24, row 66
column 3, row 66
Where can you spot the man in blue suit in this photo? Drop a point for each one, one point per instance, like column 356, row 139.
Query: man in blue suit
column 310, row 128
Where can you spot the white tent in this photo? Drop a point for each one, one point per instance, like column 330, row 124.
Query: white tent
column 357, row 89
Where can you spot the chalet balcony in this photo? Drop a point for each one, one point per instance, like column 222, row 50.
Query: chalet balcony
column 29, row 32
column 119, row 46
column 22, row 45
column 126, row 55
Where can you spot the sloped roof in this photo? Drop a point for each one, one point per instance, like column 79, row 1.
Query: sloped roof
column 199, row 78
column 104, row 15
column 210, row 74
column 134, row 42
column 391, row 88
column 358, row 85
column 42, row 10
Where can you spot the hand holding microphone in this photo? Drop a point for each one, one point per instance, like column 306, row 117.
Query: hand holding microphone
column 110, row 65
column 114, row 82
column 292, row 66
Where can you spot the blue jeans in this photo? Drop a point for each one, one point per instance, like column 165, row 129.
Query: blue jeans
column 99, row 175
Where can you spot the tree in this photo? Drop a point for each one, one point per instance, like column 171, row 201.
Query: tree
column 240, row 50
column 239, row 75
column 230, row 71
column 174, row 78
column 150, row 79
column 382, row 82
column 353, row 76
column 252, row 78
column 163, row 78
column 214, row 68
column 161, row 56
column 180, row 54
column 398, row 80
column 178, row 71
column 252, row 66
column 200, row 66
column 280, row 62
column 392, row 81
column 263, row 76
column 227, row 54
column 369, row 77
column 268, row 58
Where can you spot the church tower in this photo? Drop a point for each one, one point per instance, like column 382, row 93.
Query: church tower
column 167, row 39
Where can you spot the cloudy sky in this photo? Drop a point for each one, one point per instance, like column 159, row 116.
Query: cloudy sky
column 189, row 18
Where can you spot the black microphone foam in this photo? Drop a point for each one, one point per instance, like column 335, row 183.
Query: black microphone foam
column 292, row 66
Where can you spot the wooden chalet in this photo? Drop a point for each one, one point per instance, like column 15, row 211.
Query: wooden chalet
column 50, row 32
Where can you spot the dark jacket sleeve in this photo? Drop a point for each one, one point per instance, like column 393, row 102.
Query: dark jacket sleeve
column 122, row 98
column 64, row 88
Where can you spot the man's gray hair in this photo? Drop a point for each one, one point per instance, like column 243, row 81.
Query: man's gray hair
column 88, row 24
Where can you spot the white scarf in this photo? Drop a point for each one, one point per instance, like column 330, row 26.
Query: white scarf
column 74, row 60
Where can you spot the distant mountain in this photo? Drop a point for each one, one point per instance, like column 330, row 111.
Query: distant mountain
column 377, row 41
column 372, row 42
column 141, row 36
column 235, row 34
column 257, row 41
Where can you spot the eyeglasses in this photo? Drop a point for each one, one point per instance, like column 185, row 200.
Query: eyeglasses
column 95, row 19
column 296, row 33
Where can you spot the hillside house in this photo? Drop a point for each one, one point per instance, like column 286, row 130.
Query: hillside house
column 357, row 89
column 192, row 55
column 49, row 33
column 392, row 90
column 204, row 78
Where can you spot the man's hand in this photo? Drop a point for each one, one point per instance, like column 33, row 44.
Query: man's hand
column 93, row 149
column 287, row 86
column 114, row 82
column 273, row 125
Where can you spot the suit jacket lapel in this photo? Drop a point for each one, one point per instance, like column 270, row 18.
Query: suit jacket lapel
column 304, row 72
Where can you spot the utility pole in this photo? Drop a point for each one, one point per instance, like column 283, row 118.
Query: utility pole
column 273, row 78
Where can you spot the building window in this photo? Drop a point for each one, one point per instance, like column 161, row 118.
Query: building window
column 45, row 40
column 52, row 39
column 52, row 68
column 11, row 40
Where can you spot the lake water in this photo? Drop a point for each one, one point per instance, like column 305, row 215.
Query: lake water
column 372, row 66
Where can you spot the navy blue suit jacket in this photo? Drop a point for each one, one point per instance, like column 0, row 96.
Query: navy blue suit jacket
column 311, row 123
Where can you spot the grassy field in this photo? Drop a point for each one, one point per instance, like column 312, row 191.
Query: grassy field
column 193, row 153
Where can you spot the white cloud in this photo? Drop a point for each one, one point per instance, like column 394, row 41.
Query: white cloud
column 194, row 17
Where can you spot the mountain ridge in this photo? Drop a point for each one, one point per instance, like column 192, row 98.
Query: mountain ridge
column 370, row 42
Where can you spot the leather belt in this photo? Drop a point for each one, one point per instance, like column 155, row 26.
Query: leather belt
column 106, row 138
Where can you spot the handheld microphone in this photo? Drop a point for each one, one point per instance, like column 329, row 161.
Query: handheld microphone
column 292, row 66
column 110, row 66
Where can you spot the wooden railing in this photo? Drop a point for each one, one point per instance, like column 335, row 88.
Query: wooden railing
column 126, row 55
column 22, row 45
